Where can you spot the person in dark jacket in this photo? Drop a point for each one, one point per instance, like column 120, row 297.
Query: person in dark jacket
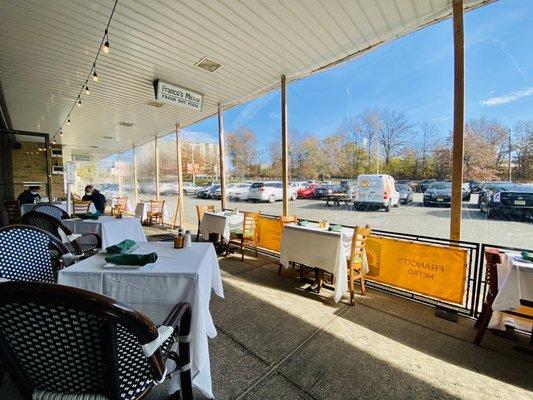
column 98, row 199
column 30, row 196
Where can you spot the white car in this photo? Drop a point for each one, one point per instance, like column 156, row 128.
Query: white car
column 270, row 191
column 376, row 190
column 239, row 192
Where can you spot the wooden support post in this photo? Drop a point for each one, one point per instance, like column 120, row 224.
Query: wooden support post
column 48, row 154
column 156, row 149
column 284, row 147
column 222, row 156
column 179, row 206
column 458, row 121
column 135, row 183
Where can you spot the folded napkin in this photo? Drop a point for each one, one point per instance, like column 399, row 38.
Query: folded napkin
column 132, row 259
column 527, row 255
column 94, row 215
column 335, row 228
column 120, row 247
column 303, row 223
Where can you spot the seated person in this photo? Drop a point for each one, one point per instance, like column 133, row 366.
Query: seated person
column 30, row 196
column 98, row 199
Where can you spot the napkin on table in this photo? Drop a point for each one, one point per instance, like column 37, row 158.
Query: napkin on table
column 120, row 247
column 94, row 215
column 335, row 228
column 132, row 259
column 527, row 255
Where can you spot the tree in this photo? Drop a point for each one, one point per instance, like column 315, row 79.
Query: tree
column 428, row 133
column 394, row 132
column 241, row 149
column 523, row 161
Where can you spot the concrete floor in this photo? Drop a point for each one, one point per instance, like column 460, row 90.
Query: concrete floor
column 278, row 341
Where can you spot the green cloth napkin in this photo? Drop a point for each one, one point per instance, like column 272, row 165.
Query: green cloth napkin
column 527, row 255
column 120, row 247
column 335, row 228
column 303, row 223
column 94, row 215
column 132, row 259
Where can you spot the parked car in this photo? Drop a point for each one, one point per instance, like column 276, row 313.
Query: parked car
column 307, row 192
column 425, row 184
column 207, row 192
column 467, row 192
column 189, row 188
column 232, row 190
column 475, row 186
column 487, row 186
column 508, row 200
column 406, row 193
column 376, row 190
column 438, row 193
column 241, row 192
column 269, row 191
column 323, row 190
column 298, row 185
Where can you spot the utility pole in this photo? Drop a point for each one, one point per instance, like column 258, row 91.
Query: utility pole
column 510, row 157
column 192, row 158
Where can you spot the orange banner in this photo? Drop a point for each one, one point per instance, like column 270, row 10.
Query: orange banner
column 435, row 271
column 270, row 233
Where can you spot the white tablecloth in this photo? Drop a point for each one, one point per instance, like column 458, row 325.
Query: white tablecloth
column 219, row 222
column 515, row 282
column 63, row 205
column 184, row 275
column 141, row 211
column 110, row 229
column 317, row 247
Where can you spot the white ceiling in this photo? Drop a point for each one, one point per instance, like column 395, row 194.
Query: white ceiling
column 47, row 48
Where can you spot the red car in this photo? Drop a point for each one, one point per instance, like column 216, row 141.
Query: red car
column 307, row 192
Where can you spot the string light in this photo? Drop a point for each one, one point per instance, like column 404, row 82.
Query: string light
column 104, row 47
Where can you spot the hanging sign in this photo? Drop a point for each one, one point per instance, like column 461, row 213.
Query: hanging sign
column 178, row 96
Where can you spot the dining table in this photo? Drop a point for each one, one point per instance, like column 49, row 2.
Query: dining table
column 112, row 230
column 515, row 283
column 178, row 275
column 319, row 247
column 142, row 208
column 221, row 222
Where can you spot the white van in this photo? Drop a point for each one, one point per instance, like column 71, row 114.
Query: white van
column 376, row 190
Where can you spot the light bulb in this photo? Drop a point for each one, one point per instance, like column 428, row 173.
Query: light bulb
column 60, row 133
column 79, row 102
column 68, row 122
column 105, row 49
column 95, row 76
column 87, row 90
column 54, row 141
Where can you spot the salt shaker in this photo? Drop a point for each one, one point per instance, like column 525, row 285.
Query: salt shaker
column 187, row 241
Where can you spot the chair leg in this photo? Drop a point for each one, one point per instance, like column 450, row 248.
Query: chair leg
column 242, row 250
column 256, row 252
column 198, row 232
column 483, row 326
column 279, row 268
column 363, row 288
column 480, row 318
column 351, row 287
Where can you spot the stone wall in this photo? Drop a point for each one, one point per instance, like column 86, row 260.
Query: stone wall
column 29, row 164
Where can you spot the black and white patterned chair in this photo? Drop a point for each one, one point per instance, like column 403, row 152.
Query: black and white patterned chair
column 87, row 243
column 50, row 209
column 60, row 342
column 29, row 254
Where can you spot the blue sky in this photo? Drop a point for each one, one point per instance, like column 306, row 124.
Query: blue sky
column 413, row 74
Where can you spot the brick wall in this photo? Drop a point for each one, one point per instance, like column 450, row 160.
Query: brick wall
column 29, row 164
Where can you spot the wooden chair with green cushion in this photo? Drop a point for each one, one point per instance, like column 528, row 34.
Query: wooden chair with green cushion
column 248, row 234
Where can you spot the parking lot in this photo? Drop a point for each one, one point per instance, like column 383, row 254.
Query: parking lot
column 412, row 219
